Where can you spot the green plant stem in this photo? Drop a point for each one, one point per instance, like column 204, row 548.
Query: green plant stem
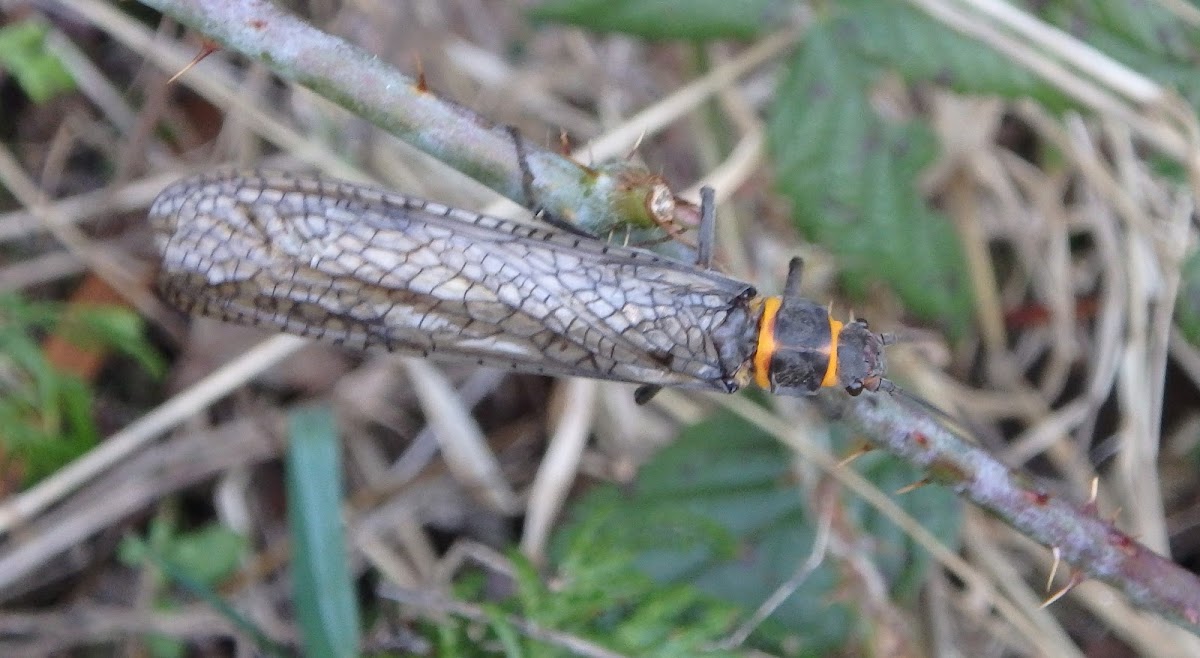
column 617, row 197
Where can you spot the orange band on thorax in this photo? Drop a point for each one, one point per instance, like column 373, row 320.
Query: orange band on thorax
column 766, row 342
column 835, row 330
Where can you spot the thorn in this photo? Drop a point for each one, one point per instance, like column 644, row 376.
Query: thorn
column 1122, row 541
column 636, row 145
column 422, row 84
column 1071, row 584
column 859, row 452
column 564, row 142
column 1039, row 498
column 207, row 47
column 912, row 487
column 1057, row 553
column 1090, row 506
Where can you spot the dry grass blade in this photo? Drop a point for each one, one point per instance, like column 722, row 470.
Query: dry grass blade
column 1058, row 147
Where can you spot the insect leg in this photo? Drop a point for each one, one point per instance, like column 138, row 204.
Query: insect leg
column 791, row 287
column 645, row 393
column 708, row 227
column 704, row 255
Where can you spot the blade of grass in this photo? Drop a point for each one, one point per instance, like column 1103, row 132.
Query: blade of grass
column 324, row 592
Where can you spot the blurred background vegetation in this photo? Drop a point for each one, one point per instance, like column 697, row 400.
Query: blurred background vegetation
column 1009, row 188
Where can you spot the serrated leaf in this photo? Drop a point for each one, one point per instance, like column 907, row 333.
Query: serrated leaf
column 1144, row 36
column 595, row 595
column 668, row 19
column 901, row 560
column 900, row 38
column 735, row 477
column 852, row 181
column 1146, row 27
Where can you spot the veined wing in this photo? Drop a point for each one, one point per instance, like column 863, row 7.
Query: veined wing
column 363, row 267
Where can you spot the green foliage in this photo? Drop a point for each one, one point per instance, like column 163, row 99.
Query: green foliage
column 23, row 54
column 326, row 606
column 851, row 174
column 668, row 19
column 600, row 597
column 206, row 555
column 1187, row 305
column 46, row 414
column 851, row 178
column 709, row 531
column 1145, row 36
column 896, row 37
column 197, row 561
column 714, row 512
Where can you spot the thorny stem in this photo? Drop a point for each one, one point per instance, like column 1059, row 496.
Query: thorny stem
column 593, row 198
column 1089, row 543
column 618, row 198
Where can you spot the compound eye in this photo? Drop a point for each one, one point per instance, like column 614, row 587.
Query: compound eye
column 855, row 388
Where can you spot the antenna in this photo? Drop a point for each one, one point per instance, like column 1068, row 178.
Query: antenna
column 791, row 286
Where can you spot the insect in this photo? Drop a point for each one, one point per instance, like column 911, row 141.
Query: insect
column 363, row 267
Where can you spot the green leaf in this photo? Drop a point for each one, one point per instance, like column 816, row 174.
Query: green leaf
column 1145, row 36
column 23, row 53
column 136, row 550
column 901, row 560
column 325, row 603
column 67, row 428
column 598, row 596
column 196, row 560
column 1187, row 304
column 209, row 554
column 205, row 556
column 735, row 478
column 668, row 19
column 164, row 646
column 851, row 177
column 47, row 414
column 509, row 639
column 898, row 37
column 113, row 327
